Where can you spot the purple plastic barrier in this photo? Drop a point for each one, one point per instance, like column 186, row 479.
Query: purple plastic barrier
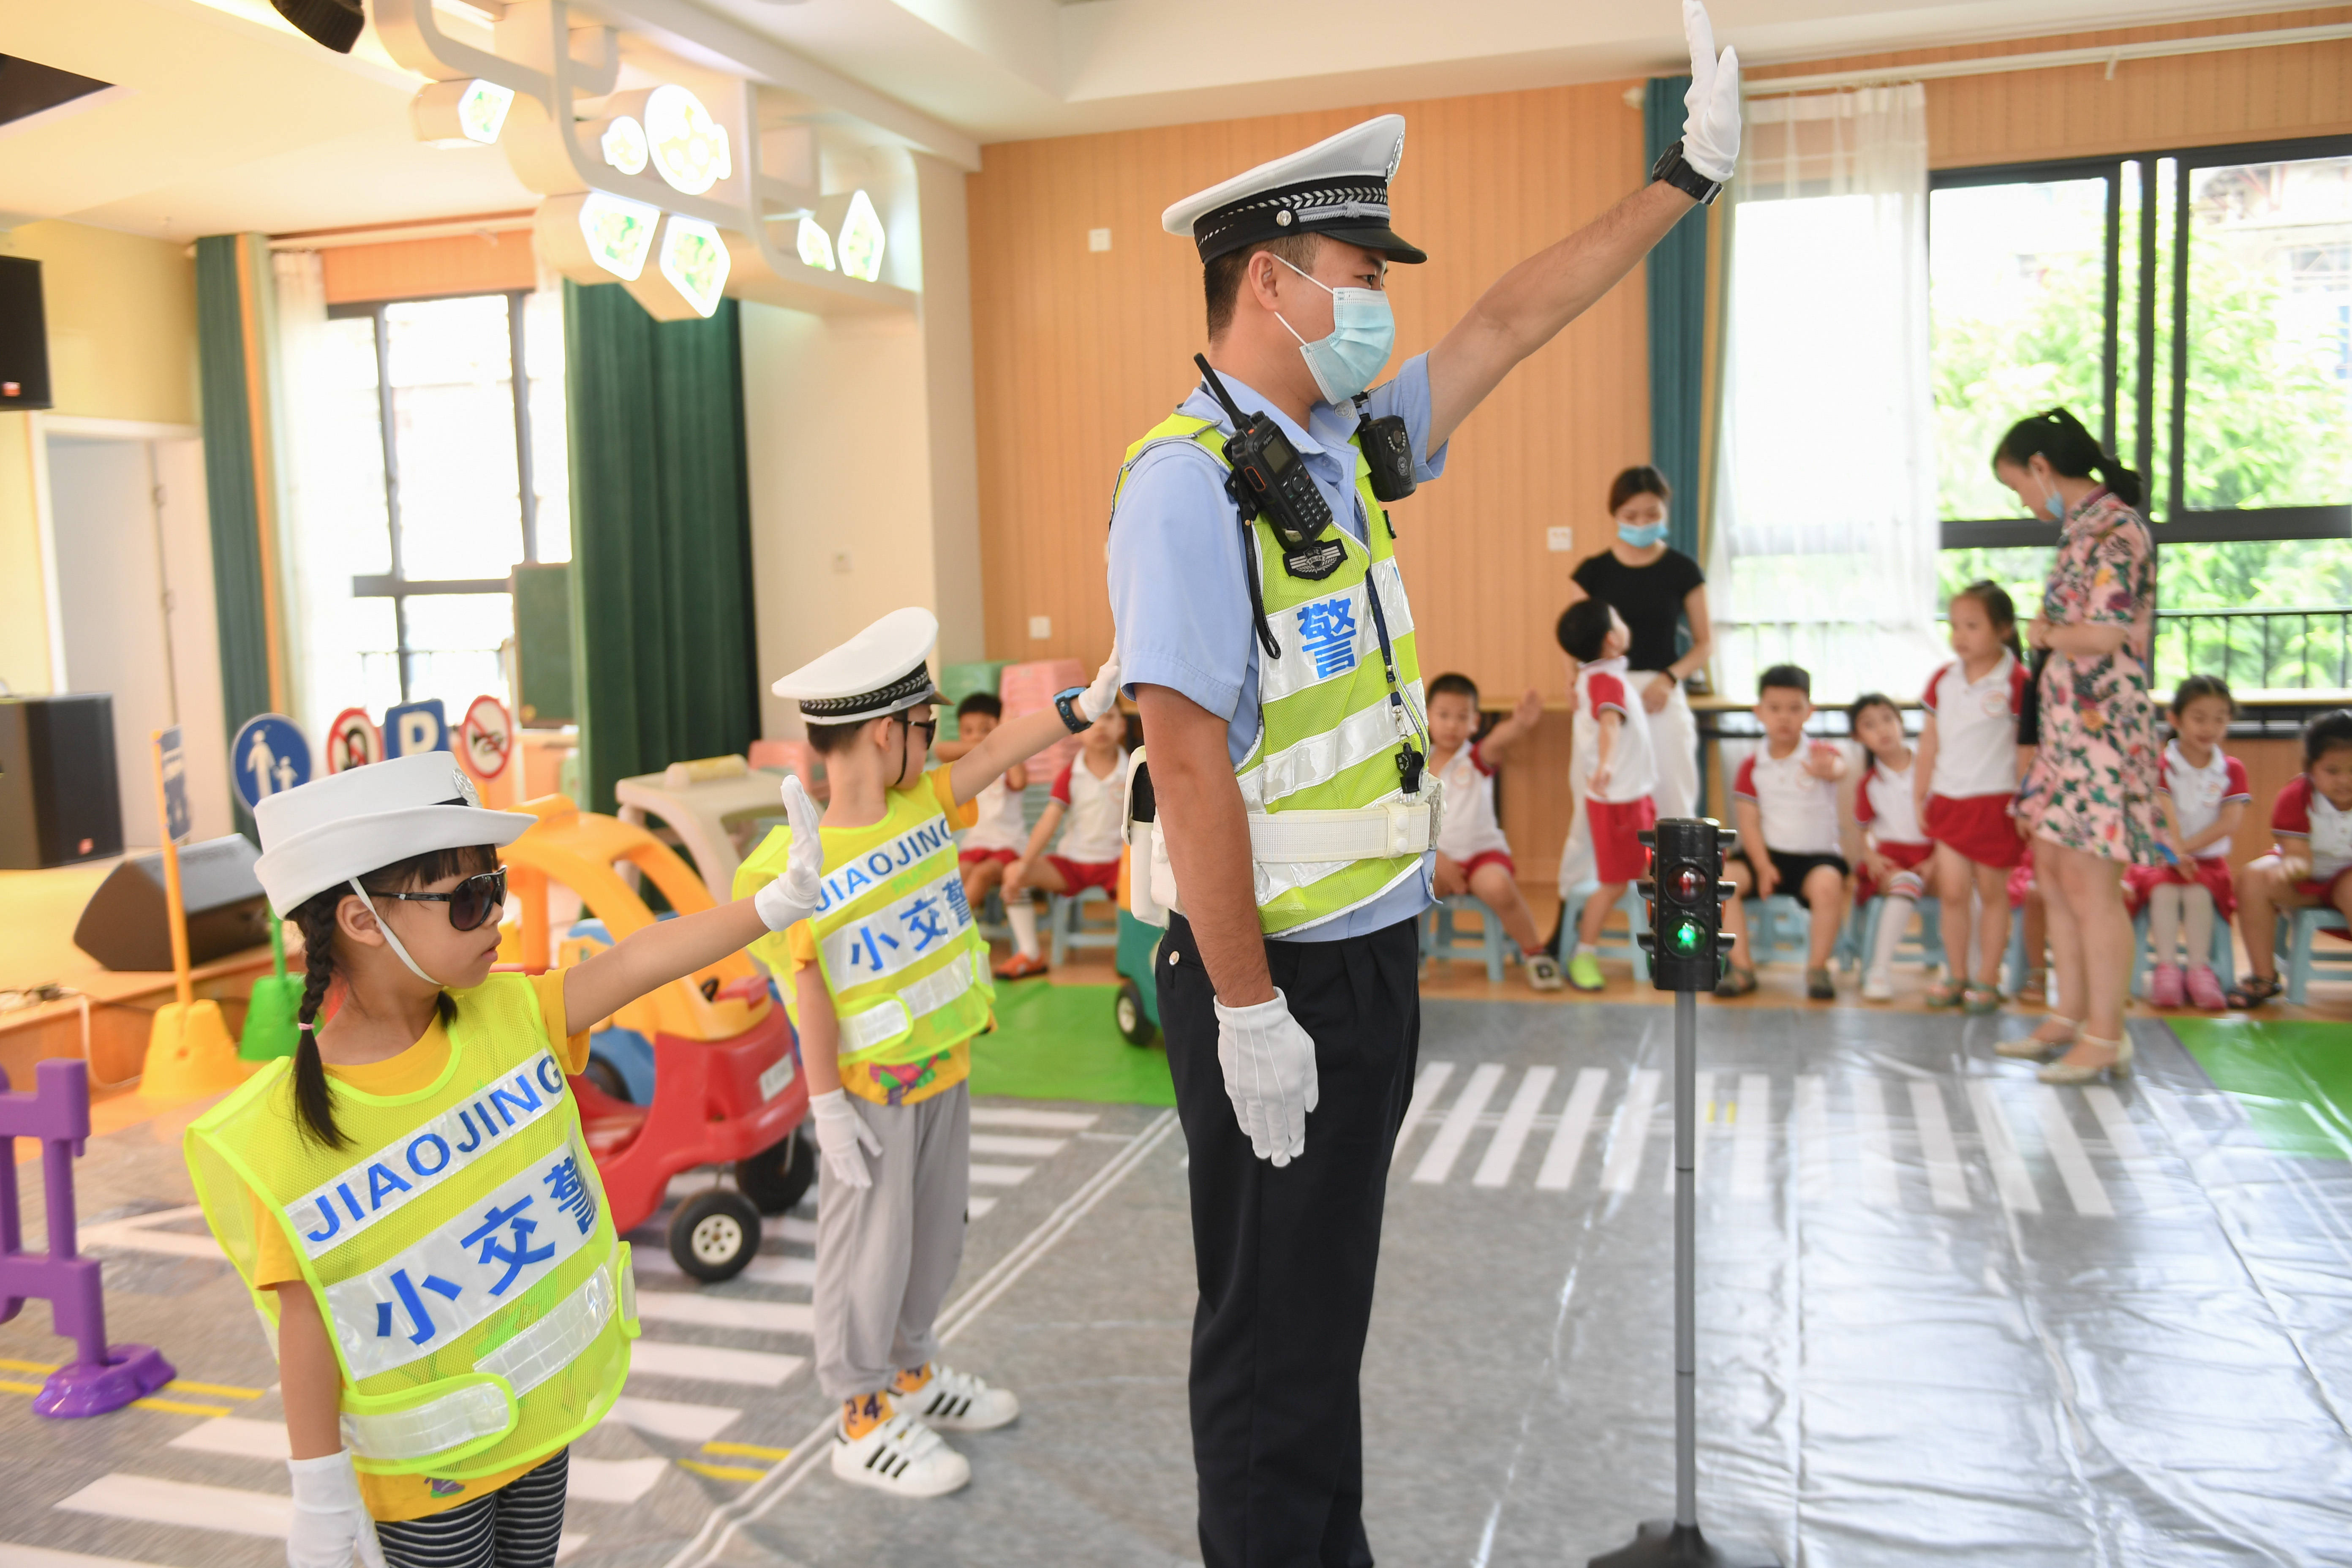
column 102, row 1377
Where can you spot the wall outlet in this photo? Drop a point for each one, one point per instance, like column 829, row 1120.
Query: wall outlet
column 1560, row 541
column 1041, row 627
column 1097, row 239
column 841, row 562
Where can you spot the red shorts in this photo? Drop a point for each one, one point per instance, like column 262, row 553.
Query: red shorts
column 1489, row 857
column 1906, row 884
column 1080, row 875
column 1978, row 827
column 2211, row 872
column 2323, row 887
column 1618, row 855
column 981, row 856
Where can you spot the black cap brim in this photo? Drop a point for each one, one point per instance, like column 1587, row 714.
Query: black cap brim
column 1379, row 237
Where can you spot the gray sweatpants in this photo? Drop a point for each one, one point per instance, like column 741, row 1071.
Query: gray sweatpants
column 887, row 1254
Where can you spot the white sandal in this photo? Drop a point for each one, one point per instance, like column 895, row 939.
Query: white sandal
column 2035, row 1047
column 2064, row 1072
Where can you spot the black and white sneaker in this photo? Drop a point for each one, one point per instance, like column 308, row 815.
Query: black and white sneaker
column 957, row 1401
column 900, row 1455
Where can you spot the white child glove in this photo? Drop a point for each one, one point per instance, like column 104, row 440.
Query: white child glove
column 329, row 1521
column 1269, row 1063
column 842, row 1138
column 792, row 898
column 1103, row 695
column 1711, row 130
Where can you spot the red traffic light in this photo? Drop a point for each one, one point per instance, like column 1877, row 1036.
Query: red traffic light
column 1688, row 884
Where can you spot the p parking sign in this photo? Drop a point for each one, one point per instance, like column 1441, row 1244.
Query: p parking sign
column 415, row 726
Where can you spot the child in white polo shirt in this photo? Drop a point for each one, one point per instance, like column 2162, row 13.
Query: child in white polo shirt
column 1966, row 781
column 1786, row 802
column 1090, row 795
column 1895, row 850
column 1473, row 856
column 1613, row 760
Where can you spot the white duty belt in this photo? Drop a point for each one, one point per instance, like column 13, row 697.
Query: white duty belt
column 1381, row 832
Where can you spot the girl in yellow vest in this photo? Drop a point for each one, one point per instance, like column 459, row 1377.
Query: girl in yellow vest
column 410, row 1199
column 888, row 980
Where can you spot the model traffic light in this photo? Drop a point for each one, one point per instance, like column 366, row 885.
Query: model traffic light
column 1686, row 938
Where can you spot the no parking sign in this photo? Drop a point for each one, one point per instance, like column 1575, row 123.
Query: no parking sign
column 485, row 739
column 268, row 757
column 415, row 726
column 352, row 741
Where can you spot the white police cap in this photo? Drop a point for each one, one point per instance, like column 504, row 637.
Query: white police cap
column 1340, row 187
column 321, row 835
column 881, row 670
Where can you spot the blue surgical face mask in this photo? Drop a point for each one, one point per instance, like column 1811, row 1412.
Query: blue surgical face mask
column 1641, row 535
column 1363, row 333
column 2056, row 504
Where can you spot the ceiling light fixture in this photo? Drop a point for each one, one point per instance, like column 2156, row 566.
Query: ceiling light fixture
column 694, row 258
column 336, row 24
column 861, row 241
column 689, row 149
column 815, row 244
column 619, row 233
column 623, row 145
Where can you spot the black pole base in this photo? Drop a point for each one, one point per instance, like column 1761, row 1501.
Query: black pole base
column 1662, row 1544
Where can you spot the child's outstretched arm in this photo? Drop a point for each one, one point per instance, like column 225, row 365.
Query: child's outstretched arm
column 1510, row 731
column 666, row 949
column 1016, row 741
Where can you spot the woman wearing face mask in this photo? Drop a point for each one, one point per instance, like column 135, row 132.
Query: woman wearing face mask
column 2088, row 804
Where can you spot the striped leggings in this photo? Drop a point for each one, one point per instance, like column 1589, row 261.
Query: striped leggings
column 516, row 1526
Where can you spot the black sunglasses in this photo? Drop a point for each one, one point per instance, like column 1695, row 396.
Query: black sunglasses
column 476, row 900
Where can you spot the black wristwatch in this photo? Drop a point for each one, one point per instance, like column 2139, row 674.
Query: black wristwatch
column 1066, row 703
column 1675, row 170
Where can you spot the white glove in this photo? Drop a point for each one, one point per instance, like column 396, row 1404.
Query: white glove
column 842, row 1138
column 329, row 1521
column 1269, row 1064
column 792, row 898
column 1711, row 130
column 1103, row 695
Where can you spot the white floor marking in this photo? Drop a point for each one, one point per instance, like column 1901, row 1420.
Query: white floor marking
column 1452, row 1132
column 42, row 1557
column 2066, row 1152
column 1814, row 1177
column 975, row 1207
column 2174, row 1118
column 710, row 1364
column 614, row 1481
column 792, row 1227
column 673, row 1417
column 1016, row 1116
column 1630, row 1132
column 240, row 1436
column 1560, row 1161
column 1751, row 1145
column 1874, row 1143
column 139, row 1233
column 1947, row 1180
column 2010, row 1176
column 1424, row 1092
column 767, row 1268
column 999, row 1176
column 2131, row 1150
column 151, row 1501
column 1020, row 1147
column 726, row 1313
column 1518, row 1120
column 569, row 1541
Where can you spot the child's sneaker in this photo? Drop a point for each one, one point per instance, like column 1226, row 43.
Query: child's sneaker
column 957, row 1401
column 900, row 1455
column 1584, row 972
column 2164, row 988
column 1020, row 966
column 2205, row 990
column 1543, row 971
column 1878, row 987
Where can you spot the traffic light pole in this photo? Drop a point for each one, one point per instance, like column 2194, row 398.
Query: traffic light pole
column 1685, row 1262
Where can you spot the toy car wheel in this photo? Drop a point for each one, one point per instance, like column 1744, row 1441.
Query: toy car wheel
column 779, row 1176
column 714, row 1233
column 607, row 1077
column 1134, row 1023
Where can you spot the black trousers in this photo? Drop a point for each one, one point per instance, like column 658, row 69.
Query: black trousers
column 1286, row 1258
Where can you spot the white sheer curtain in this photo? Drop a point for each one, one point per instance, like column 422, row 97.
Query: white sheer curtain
column 1825, row 528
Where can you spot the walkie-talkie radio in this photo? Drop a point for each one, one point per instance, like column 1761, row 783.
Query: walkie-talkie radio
column 1388, row 448
column 1269, row 469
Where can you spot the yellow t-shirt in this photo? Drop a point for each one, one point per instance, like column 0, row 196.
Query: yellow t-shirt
column 900, row 1083
column 391, row 1498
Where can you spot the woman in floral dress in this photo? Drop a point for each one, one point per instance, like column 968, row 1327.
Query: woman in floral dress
column 2089, row 802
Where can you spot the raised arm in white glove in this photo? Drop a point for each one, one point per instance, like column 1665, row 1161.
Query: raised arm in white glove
column 1269, row 1065
column 792, row 898
column 1103, row 695
column 842, row 1138
column 331, row 1524
column 1711, row 130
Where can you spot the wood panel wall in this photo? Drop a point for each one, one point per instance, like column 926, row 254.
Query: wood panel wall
column 428, row 269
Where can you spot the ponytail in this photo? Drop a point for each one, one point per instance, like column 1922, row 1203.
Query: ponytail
column 2061, row 440
column 314, row 1105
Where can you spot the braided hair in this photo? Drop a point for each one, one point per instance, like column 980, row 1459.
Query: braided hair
column 2061, row 440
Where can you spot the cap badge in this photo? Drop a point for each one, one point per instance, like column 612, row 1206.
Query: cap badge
column 465, row 786
column 1396, row 156
column 1283, row 218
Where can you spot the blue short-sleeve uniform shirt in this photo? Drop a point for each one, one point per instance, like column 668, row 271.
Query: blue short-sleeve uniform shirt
column 1179, row 589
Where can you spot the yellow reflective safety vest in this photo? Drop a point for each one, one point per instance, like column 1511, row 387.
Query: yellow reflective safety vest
column 895, row 942
column 460, row 1247
column 1329, row 739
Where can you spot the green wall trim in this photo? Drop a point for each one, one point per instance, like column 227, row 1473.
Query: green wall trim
column 230, row 486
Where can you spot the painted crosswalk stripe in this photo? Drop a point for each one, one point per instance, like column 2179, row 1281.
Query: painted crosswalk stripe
column 792, row 1227
column 710, row 1364
column 569, row 1543
column 2066, row 1152
column 1751, row 1148
column 1567, row 1149
column 2131, row 1150
column 43, row 1557
column 1018, row 1147
column 613, row 1480
column 999, row 1176
column 726, row 1313
column 1948, row 1181
column 1511, row 1136
column 1425, row 1093
column 2173, row 1117
column 1815, row 1177
column 1020, row 1116
column 1701, row 1126
column 240, row 1436
column 975, row 1207
column 1874, row 1143
column 1631, row 1132
column 673, row 1417
column 148, row 1500
column 766, row 1269
column 2011, row 1179
column 1452, row 1132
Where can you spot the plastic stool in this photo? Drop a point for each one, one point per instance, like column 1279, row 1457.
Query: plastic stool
column 2296, row 927
column 1439, row 938
column 2223, row 959
column 1069, row 927
column 1628, row 947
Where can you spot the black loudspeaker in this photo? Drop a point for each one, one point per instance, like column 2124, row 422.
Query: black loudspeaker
column 59, row 800
column 125, row 925
column 23, row 335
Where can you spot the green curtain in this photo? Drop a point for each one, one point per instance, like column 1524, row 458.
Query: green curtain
column 662, row 630
column 230, row 484
column 1677, row 279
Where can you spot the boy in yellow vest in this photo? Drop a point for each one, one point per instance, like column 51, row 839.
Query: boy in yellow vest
column 887, row 981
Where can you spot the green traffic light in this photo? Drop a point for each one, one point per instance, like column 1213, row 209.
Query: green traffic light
column 1689, row 937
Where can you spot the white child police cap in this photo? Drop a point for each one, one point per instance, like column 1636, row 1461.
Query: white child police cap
column 881, row 670
column 320, row 834
column 1340, row 187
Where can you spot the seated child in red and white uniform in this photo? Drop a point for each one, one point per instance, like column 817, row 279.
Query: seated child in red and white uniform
column 1790, row 835
column 2310, row 864
column 1473, row 856
column 1611, row 757
column 1091, row 796
column 2203, row 796
column 1965, row 783
column 995, row 840
column 1893, row 847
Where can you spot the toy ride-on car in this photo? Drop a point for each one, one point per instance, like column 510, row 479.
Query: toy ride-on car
column 726, row 1085
column 1135, row 1008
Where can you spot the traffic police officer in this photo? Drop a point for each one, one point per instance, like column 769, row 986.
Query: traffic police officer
column 1291, row 818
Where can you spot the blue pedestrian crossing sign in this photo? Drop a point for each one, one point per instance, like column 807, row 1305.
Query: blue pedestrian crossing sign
column 268, row 757
column 172, row 767
column 415, row 726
